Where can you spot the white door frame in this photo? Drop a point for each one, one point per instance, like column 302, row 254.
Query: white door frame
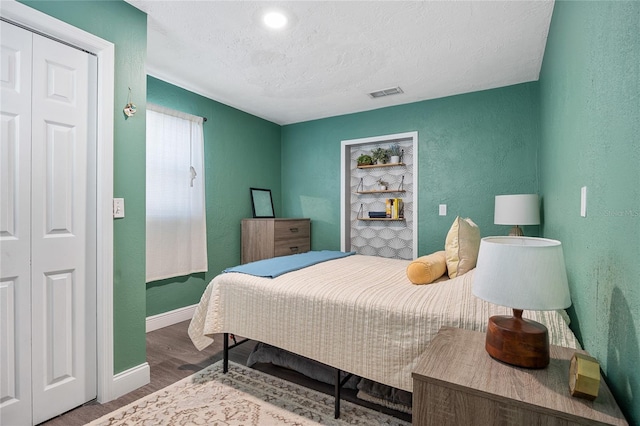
column 345, row 184
column 104, row 50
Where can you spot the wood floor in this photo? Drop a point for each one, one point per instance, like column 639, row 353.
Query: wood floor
column 172, row 356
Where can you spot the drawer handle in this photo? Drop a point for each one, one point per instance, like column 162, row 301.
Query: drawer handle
column 293, row 229
column 293, row 249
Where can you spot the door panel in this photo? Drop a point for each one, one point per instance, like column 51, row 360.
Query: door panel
column 58, row 332
column 15, row 227
column 60, row 146
column 47, row 228
column 63, row 347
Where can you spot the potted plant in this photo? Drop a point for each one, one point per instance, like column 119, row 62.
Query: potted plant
column 394, row 153
column 365, row 160
column 382, row 185
column 380, row 155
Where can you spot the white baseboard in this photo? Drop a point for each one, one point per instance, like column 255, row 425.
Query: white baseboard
column 140, row 375
column 166, row 319
column 130, row 380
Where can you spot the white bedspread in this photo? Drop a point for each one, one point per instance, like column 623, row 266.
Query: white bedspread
column 359, row 314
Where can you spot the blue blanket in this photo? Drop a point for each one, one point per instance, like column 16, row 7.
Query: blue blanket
column 271, row 268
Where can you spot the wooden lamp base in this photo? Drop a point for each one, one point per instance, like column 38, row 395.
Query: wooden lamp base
column 518, row 341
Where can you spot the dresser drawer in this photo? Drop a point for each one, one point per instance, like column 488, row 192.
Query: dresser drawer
column 291, row 246
column 291, row 229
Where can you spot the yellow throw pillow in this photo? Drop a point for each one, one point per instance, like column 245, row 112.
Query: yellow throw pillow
column 461, row 247
column 427, row 269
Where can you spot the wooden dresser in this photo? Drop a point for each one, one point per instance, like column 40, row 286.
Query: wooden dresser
column 456, row 382
column 266, row 238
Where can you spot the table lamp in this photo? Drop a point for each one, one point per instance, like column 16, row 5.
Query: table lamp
column 518, row 209
column 520, row 273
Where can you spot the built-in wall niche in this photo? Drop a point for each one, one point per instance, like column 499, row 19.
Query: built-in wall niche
column 395, row 236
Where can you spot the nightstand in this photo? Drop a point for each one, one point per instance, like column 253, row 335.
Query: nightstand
column 456, row 382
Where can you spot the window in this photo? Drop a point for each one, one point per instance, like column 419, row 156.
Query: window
column 175, row 202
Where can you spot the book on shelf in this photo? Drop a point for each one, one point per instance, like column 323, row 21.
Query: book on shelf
column 394, row 208
column 377, row 215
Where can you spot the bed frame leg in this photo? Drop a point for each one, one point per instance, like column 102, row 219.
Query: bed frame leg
column 339, row 385
column 225, row 353
column 226, row 347
column 336, row 395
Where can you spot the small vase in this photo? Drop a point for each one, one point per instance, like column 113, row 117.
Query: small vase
column 395, row 159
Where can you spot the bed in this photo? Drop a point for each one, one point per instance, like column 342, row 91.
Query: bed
column 358, row 314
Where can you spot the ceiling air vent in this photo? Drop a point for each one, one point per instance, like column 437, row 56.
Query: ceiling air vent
column 386, row 92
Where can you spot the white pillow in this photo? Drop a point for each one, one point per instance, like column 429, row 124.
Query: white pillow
column 461, row 247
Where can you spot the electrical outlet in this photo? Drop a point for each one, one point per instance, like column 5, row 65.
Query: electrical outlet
column 583, row 201
column 442, row 209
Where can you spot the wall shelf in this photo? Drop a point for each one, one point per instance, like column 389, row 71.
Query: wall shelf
column 362, row 216
column 373, row 166
column 360, row 189
column 380, row 191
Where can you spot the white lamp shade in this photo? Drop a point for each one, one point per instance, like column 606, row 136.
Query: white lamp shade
column 518, row 209
column 522, row 273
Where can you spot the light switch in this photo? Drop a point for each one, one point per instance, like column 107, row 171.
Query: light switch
column 118, row 207
column 583, row 201
column 442, row 209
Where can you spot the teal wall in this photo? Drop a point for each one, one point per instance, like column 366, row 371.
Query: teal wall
column 126, row 27
column 590, row 120
column 471, row 147
column 241, row 151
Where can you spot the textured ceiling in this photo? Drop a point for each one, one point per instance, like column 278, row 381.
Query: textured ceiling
column 333, row 53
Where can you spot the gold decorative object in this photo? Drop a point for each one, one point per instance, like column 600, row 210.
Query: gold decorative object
column 584, row 376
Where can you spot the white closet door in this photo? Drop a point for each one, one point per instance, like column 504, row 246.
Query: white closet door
column 15, row 226
column 48, row 287
column 63, row 289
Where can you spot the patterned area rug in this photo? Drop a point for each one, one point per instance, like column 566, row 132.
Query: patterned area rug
column 243, row 396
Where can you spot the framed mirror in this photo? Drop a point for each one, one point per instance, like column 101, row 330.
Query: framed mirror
column 261, row 203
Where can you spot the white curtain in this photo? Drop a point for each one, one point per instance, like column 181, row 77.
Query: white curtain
column 176, row 220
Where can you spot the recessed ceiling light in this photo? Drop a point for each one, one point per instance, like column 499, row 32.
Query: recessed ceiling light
column 275, row 20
